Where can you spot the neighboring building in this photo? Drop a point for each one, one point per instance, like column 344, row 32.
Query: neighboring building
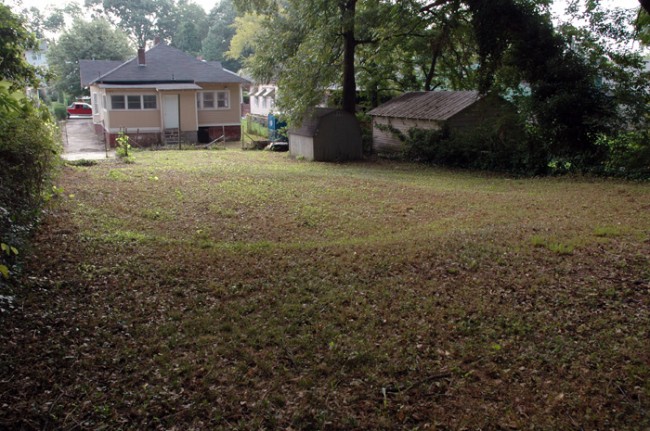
column 461, row 111
column 38, row 57
column 164, row 95
column 328, row 135
column 262, row 100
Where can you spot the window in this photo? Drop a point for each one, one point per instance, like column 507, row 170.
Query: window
column 117, row 102
column 208, row 100
column 149, row 101
column 263, row 102
column 134, row 101
column 222, row 99
column 213, row 100
column 104, row 105
column 257, row 102
column 95, row 105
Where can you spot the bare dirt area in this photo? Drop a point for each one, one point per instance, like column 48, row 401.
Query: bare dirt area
column 245, row 290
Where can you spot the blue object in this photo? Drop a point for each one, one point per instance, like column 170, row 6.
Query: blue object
column 274, row 128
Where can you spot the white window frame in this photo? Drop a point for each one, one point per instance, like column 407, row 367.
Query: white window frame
column 216, row 98
column 125, row 99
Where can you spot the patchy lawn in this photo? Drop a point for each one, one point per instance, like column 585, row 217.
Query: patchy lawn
column 244, row 290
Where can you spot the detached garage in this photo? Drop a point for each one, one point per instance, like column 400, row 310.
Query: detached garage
column 328, row 135
column 461, row 111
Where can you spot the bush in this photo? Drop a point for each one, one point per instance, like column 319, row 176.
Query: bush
column 628, row 154
column 489, row 148
column 29, row 146
column 59, row 111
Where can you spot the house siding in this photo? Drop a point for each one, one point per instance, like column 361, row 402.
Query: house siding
column 221, row 117
column 189, row 121
column 135, row 119
column 384, row 141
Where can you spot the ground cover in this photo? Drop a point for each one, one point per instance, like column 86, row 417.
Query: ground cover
column 245, row 290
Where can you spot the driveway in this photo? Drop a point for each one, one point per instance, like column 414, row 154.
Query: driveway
column 80, row 141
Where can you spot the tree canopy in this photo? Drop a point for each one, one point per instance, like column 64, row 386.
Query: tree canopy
column 85, row 40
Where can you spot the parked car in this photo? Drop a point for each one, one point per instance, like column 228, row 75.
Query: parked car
column 80, row 108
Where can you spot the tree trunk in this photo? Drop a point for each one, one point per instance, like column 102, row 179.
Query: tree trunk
column 348, row 10
column 645, row 4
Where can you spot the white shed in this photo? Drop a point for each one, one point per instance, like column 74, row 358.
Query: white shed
column 328, row 135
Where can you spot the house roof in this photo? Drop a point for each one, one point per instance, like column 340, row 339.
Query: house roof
column 427, row 105
column 93, row 69
column 165, row 64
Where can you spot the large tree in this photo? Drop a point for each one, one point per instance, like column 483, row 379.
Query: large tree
column 317, row 42
column 222, row 29
column 15, row 39
column 140, row 19
column 85, row 40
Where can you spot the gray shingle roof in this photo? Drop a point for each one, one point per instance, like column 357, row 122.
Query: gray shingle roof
column 89, row 70
column 167, row 64
column 311, row 122
column 427, row 105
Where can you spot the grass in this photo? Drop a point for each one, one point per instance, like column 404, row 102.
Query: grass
column 245, row 290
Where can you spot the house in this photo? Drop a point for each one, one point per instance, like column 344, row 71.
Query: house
column 460, row 111
column 262, row 100
column 327, row 135
column 163, row 95
column 38, row 57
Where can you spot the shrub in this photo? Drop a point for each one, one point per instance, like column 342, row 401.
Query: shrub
column 628, row 154
column 123, row 148
column 29, row 147
column 59, row 111
column 490, row 148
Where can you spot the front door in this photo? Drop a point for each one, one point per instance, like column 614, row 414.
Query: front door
column 170, row 111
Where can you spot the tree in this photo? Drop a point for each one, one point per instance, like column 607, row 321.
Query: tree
column 86, row 40
column 15, row 39
column 28, row 145
column 140, row 19
column 316, row 42
column 41, row 24
column 222, row 29
column 187, row 26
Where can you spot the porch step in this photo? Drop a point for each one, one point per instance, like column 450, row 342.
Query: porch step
column 172, row 136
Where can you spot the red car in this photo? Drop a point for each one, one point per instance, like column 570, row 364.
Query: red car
column 80, row 108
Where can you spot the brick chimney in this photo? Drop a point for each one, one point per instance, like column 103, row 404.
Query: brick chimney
column 141, row 58
column 156, row 40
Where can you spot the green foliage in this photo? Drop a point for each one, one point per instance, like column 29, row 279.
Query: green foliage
column 15, row 39
column 217, row 41
column 498, row 147
column 628, row 154
column 59, row 111
column 188, row 26
column 141, row 20
column 29, row 146
column 123, row 148
column 86, row 40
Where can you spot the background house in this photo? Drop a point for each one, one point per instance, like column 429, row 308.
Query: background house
column 262, row 101
column 164, row 95
column 461, row 111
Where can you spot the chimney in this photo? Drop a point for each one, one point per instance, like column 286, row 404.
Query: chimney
column 141, row 59
column 156, row 40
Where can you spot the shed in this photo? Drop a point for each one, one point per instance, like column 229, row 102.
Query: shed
column 460, row 111
column 327, row 135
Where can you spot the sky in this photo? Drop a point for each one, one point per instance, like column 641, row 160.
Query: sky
column 558, row 8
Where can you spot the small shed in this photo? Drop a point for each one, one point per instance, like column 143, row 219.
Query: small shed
column 327, row 135
column 460, row 111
